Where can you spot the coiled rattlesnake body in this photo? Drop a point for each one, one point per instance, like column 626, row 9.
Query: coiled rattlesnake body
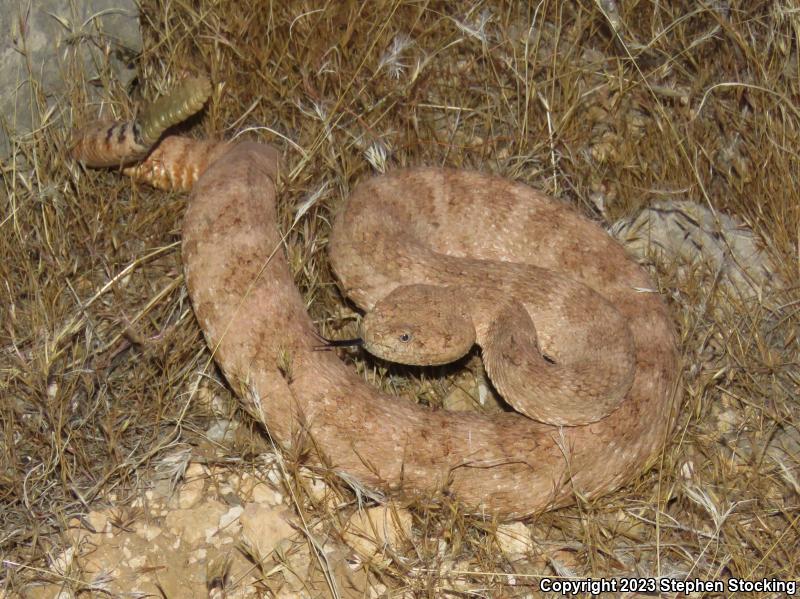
column 393, row 232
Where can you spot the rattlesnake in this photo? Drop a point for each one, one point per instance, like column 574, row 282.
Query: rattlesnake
column 605, row 347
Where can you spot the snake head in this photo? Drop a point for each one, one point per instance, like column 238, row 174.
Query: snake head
column 420, row 325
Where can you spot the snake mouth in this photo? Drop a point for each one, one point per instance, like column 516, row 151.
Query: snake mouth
column 388, row 353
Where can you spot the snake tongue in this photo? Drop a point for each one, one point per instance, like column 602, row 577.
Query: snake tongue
column 332, row 343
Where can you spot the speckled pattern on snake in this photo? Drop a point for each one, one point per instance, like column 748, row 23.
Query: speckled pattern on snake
column 564, row 317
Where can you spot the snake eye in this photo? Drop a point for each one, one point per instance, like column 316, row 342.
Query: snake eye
column 405, row 337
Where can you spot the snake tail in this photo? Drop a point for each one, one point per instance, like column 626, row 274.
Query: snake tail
column 119, row 143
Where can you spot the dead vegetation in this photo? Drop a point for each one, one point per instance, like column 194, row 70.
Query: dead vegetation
column 611, row 106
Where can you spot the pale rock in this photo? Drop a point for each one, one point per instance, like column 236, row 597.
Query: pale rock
column 230, row 516
column 691, row 233
column 196, row 524
column 196, row 470
column 370, row 531
column 458, row 400
column 222, row 431
column 318, row 489
column 147, row 531
column 63, row 561
column 252, row 488
column 38, row 40
column 198, row 556
column 296, row 568
column 727, row 421
column 161, row 489
column 514, row 539
column 274, row 476
column 190, row 492
column 242, row 484
column 99, row 522
column 264, row 527
column 377, row 590
column 266, row 495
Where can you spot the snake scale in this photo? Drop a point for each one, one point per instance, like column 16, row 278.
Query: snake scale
column 567, row 322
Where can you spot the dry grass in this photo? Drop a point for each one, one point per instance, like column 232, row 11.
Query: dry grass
column 630, row 104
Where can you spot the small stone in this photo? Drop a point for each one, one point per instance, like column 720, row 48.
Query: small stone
column 161, row 490
column 147, row 531
column 318, row 489
column 274, row 476
column 266, row 495
column 63, row 561
column 370, row 531
column 459, row 400
column 98, row 521
column 222, row 431
column 514, row 539
column 137, row 562
column 230, row 516
column 190, row 492
column 377, row 590
column 195, row 470
column 727, row 421
column 196, row 524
